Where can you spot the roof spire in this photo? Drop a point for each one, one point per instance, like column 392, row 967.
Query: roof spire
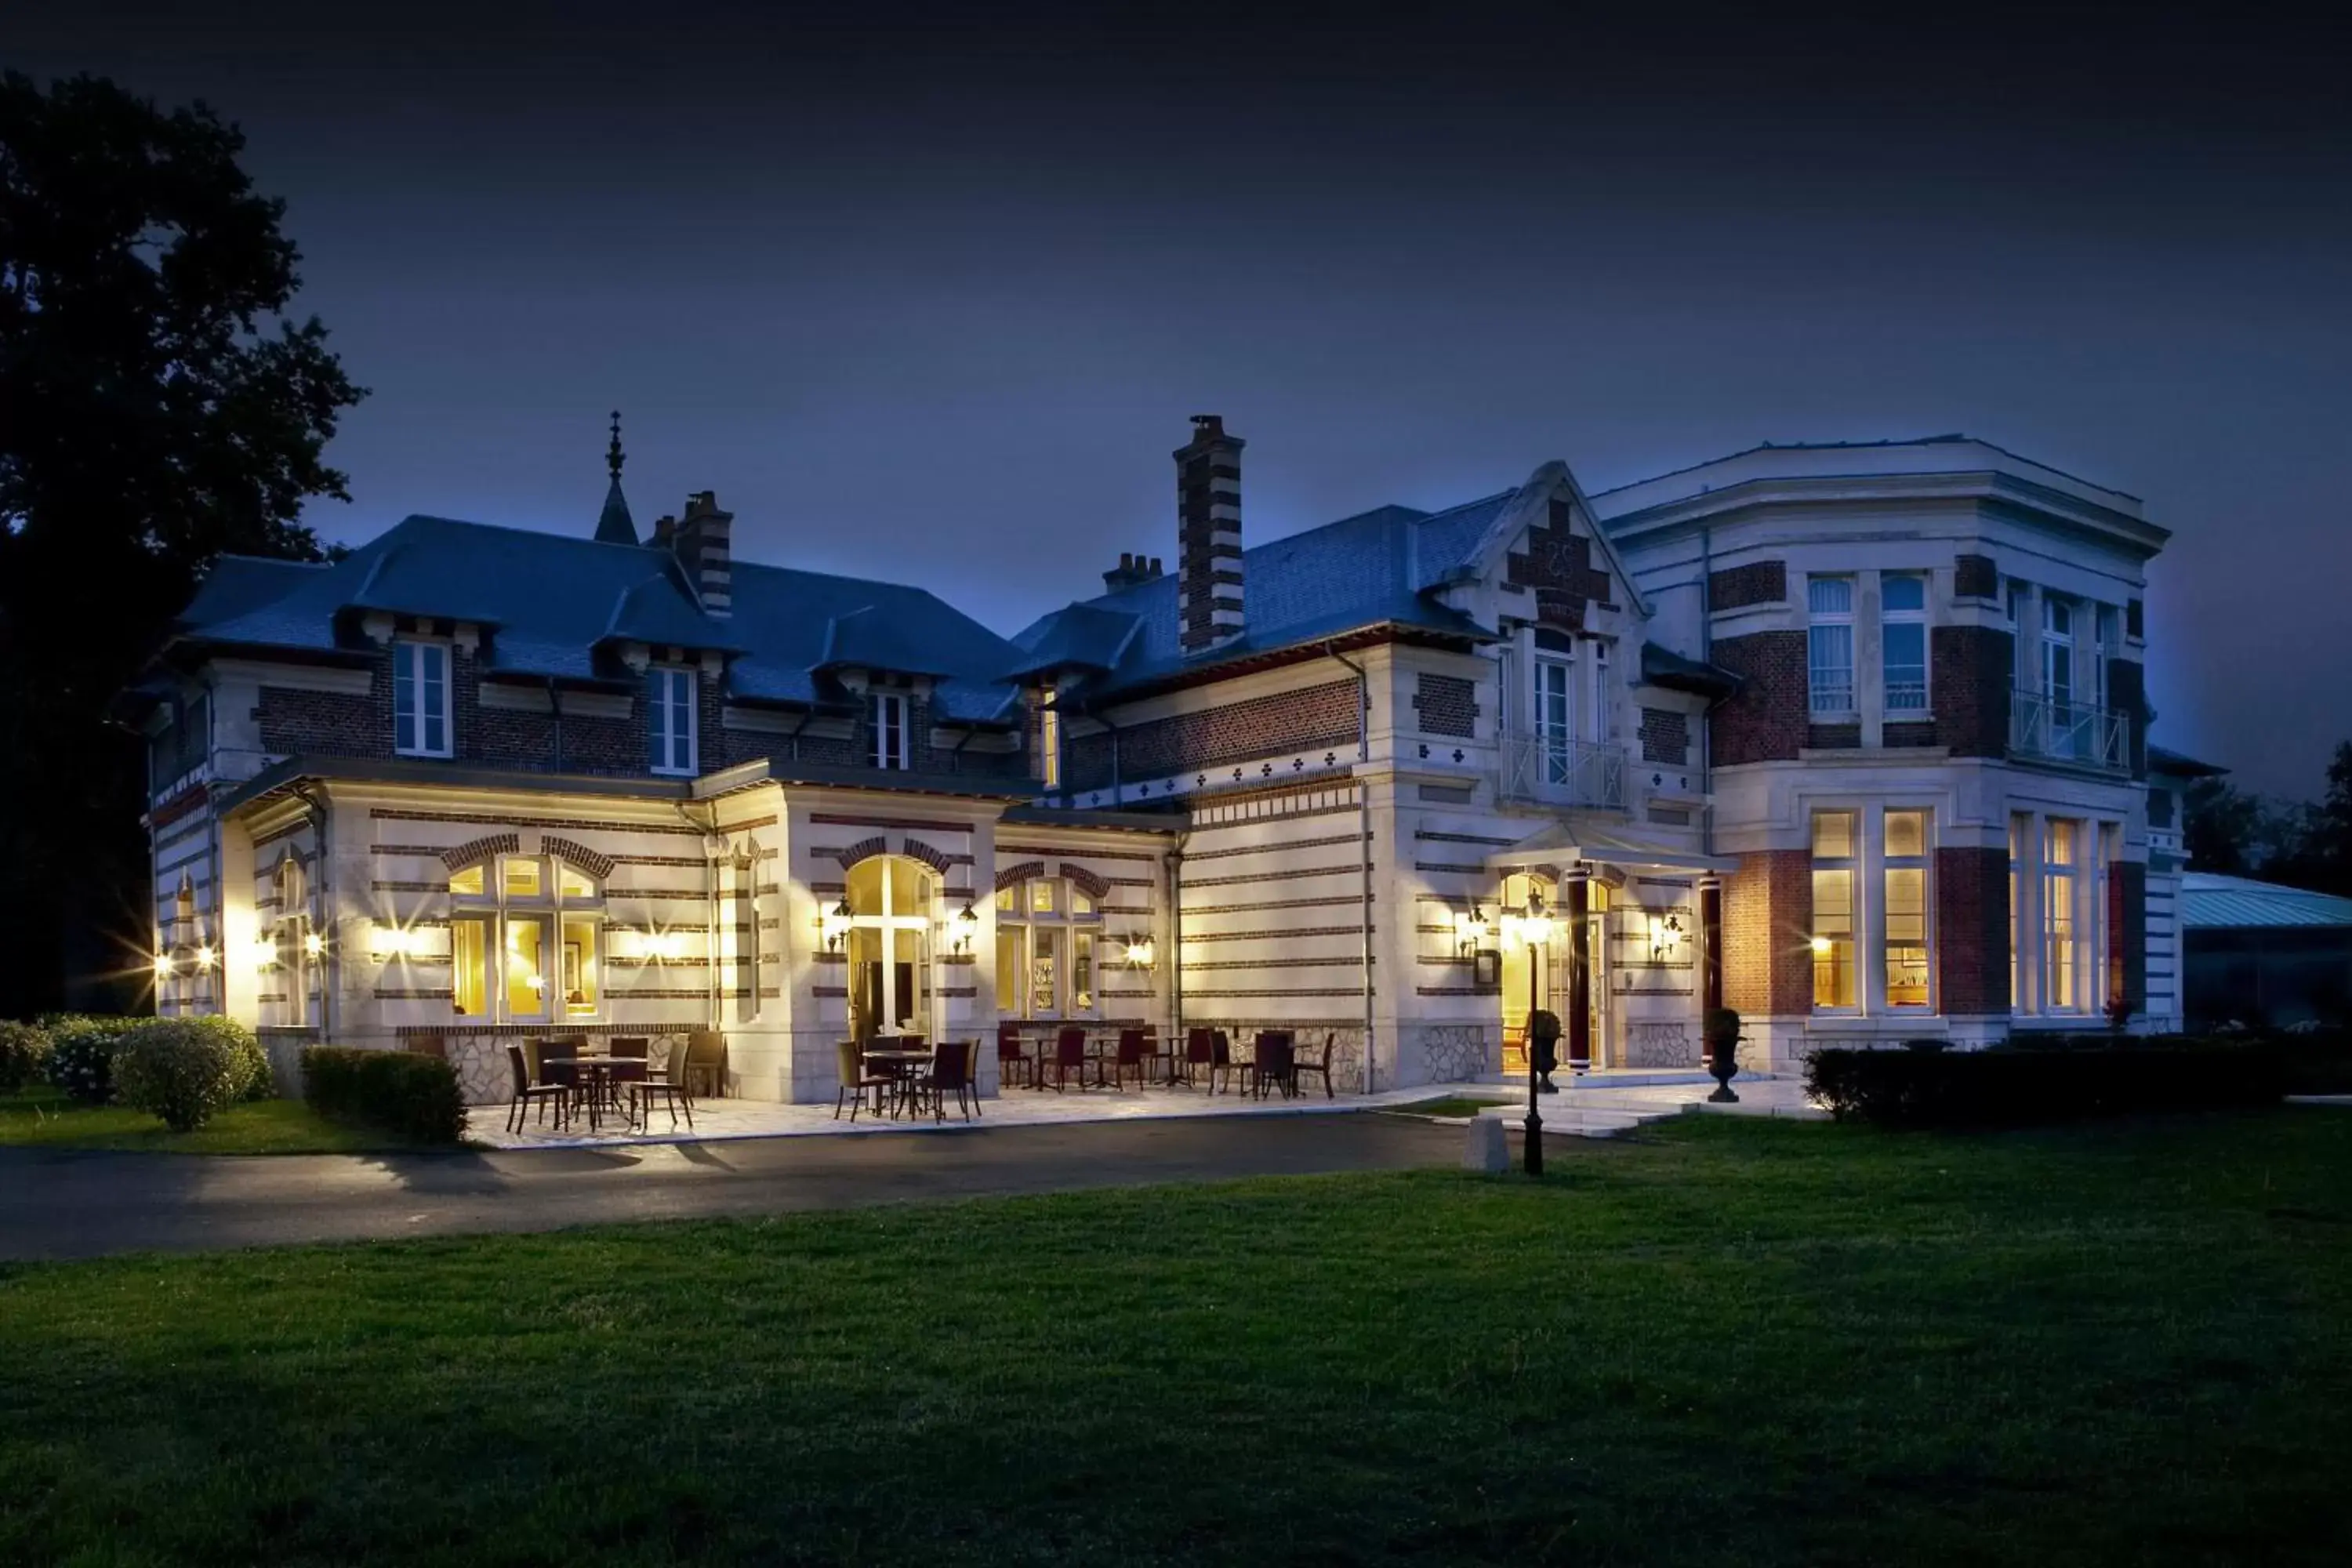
column 613, row 524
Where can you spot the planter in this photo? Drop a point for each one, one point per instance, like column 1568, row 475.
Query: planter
column 1721, row 1027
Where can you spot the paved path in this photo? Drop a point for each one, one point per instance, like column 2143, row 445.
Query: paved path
column 68, row 1204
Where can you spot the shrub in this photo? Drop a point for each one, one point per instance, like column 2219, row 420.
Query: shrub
column 23, row 1054
column 252, row 1082
column 2019, row 1086
column 179, row 1070
column 81, row 1053
column 415, row 1096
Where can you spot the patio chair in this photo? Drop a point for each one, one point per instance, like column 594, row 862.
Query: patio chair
column 1274, row 1056
column 1221, row 1060
column 1069, row 1051
column 1013, row 1058
column 627, row 1068
column 1321, row 1067
column 951, row 1070
column 855, row 1080
column 705, row 1063
column 1133, row 1053
column 1200, row 1051
column 558, row 1064
column 527, row 1093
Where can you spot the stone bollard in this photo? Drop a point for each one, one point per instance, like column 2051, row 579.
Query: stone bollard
column 1488, row 1154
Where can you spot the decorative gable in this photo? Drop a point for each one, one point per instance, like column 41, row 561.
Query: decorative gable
column 1555, row 563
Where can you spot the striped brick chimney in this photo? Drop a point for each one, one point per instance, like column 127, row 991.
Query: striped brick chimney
column 704, row 547
column 1208, row 535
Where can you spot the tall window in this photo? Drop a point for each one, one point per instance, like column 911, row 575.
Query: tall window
column 891, row 748
column 526, row 940
column 1903, row 615
column 1049, row 743
column 1556, row 715
column 2058, row 651
column 2104, row 644
column 670, row 718
column 1833, row 887
column 1829, row 643
column 1047, row 930
column 420, row 700
column 2061, row 881
column 1905, row 871
column 891, row 903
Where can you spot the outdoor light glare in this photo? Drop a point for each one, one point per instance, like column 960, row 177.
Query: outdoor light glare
column 314, row 944
column 163, row 964
column 966, row 923
column 835, row 924
column 204, row 956
column 261, row 952
column 1138, row 953
column 1821, row 945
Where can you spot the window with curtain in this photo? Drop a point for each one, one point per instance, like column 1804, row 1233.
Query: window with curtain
column 1830, row 643
column 1047, row 935
column 1903, row 642
column 670, row 718
column 526, row 940
column 2061, row 882
column 1904, row 870
column 891, row 748
column 421, row 721
column 1834, row 909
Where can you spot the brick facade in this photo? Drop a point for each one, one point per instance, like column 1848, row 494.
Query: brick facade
column 1666, row 736
column 1969, row 681
column 1312, row 717
column 2127, row 934
column 1975, row 577
column 1768, row 911
column 323, row 724
column 1765, row 720
column 1834, row 737
column 1557, row 565
column 1448, row 705
column 1900, row 733
column 1972, row 932
column 1758, row 583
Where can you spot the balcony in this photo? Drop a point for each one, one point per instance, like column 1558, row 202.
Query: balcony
column 2042, row 728
column 1541, row 771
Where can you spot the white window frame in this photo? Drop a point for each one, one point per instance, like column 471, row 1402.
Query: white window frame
column 1822, row 699
column 892, row 715
column 2105, row 624
column 1924, row 863
column 552, row 907
column 1018, row 921
column 1557, row 701
column 2047, row 946
column 1888, row 618
column 408, row 656
column 2057, row 651
column 1857, row 906
column 671, row 689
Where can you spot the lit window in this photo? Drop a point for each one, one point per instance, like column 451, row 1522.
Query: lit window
column 580, row 966
column 526, row 966
column 526, row 940
column 670, row 718
column 1906, row 872
column 1044, row 968
column 469, row 954
column 467, row 883
column 1833, row 913
column 2060, row 883
column 1830, row 643
column 1045, row 895
column 1082, row 972
column 1903, row 615
column 575, row 883
column 891, row 748
column 420, row 700
column 521, row 878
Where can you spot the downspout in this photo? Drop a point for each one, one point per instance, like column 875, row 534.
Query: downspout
column 1364, row 832
column 1173, row 862
column 321, row 814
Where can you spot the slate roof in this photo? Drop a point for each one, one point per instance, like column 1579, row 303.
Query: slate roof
column 557, row 605
column 2208, row 900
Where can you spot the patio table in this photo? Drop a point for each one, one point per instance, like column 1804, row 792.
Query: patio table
column 901, row 1065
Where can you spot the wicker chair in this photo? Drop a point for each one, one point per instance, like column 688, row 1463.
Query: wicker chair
column 1013, row 1058
column 1320, row 1067
column 1221, row 1060
column 1200, row 1051
column 529, row 1092
column 1069, row 1051
column 855, row 1080
column 1134, row 1053
column 706, row 1064
column 950, row 1072
column 1275, row 1058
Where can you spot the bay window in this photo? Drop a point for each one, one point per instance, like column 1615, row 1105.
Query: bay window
column 2061, row 889
column 1903, row 633
column 670, row 718
column 1904, row 871
column 526, row 940
column 1830, row 643
column 1872, row 935
column 421, row 718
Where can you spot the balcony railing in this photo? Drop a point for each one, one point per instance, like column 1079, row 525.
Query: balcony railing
column 1542, row 771
column 2061, row 730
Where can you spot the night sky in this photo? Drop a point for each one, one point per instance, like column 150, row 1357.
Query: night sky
column 930, row 292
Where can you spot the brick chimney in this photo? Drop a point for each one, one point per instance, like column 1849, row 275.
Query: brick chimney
column 703, row 546
column 1131, row 569
column 1208, row 535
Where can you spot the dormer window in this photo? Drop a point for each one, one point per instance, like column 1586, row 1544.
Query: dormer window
column 670, row 718
column 421, row 721
column 891, row 746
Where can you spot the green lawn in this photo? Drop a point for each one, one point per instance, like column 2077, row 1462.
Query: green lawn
column 1727, row 1341
column 47, row 1118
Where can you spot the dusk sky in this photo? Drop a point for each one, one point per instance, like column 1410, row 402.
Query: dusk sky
column 929, row 293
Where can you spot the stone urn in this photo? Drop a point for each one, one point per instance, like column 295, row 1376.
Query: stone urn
column 1543, row 1047
column 1722, row 1032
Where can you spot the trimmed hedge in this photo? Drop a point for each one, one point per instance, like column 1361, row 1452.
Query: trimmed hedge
column 416, row 1097
column 23, row 1054
column 2020, row 1085
column 253, row 1080
column 178, row 1070
column 81, row 1053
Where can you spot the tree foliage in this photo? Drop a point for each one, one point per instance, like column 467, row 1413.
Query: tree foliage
column 158, row 408
column 2304, row 844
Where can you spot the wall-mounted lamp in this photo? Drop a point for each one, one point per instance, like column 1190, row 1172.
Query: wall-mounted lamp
column 204, row 956
column 261, row 952
column 834, row 926
column 162, row 966
column 1469, row 929
column 1137, row 952
column 964, row 927
column 1821, row 945
column 314, row 944
column 1535, row 926
column 391, row 941
column 1667, row 935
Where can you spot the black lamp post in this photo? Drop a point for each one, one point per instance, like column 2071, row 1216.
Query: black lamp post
column 1534, row 1146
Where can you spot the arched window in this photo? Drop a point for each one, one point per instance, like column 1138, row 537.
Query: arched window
column 291, row 944
column 1047, row 930
column 526, row 940
column 892, row 903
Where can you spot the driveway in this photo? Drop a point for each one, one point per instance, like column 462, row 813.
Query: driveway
column 55, row 1203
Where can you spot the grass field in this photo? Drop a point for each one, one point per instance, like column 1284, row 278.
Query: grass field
column 1727, row 1341
column 45, row 1117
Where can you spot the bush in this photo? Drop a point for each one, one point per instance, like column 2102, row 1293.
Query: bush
column 81, row 1053
column 402, row 1092
column 253, row 1080
column 23, row 1054
column 2019, row 1086
column 179, row 1070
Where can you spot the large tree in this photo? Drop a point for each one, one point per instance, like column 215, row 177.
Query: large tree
column 158, row 407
